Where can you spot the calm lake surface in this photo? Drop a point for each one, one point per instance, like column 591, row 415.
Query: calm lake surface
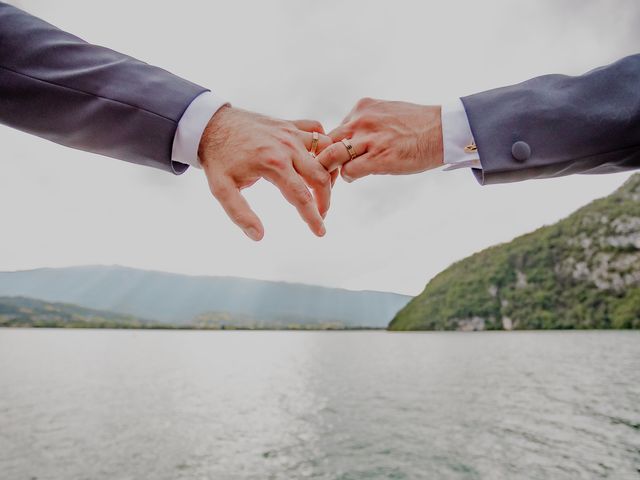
column 98, row 404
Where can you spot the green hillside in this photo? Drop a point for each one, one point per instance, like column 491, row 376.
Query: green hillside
column 582, row 272
column 28, row 312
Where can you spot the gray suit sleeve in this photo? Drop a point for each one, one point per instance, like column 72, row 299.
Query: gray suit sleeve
column 558, row 125
column 59, row 87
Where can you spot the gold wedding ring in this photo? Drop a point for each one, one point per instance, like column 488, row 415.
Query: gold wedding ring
column 314, row 144
column 350, row 149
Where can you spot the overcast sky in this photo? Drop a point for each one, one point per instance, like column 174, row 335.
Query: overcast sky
column 292, row 59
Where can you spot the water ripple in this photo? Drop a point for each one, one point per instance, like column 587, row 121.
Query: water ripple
column 337, row 405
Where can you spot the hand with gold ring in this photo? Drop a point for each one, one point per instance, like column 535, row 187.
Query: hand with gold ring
column 238, row 148
column 382, row 137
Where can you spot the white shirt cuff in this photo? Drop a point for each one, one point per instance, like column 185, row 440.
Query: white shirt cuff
column 456, row 135
column 191, row 125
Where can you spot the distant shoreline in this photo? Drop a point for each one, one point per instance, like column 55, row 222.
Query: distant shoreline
column 348, row 329
column 188, row 327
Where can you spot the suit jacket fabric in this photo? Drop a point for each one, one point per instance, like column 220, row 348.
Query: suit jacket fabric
column 557, row 125
column 59, row 87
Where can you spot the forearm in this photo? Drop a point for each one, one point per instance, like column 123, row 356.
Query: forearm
column 59, row 87
column 557, row 125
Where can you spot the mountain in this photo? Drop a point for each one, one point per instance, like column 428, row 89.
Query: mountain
column 180, row 299
column 582, row 272
column 27, row 312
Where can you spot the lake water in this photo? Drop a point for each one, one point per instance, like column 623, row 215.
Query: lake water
column 81, row 404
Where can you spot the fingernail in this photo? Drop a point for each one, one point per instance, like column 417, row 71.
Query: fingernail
column 322, row 231
column 252, row 233
column 347, row 178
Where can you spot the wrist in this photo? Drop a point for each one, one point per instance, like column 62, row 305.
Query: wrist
column 430, row 141
column 190, row 127
column 212, row 136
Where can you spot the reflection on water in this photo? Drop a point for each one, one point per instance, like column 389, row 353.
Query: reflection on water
column 327, row 405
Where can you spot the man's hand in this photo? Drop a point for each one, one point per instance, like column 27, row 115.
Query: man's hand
column 388, row 138
column 239, row 147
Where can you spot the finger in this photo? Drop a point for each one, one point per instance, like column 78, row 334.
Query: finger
column 337, row 154
column 307, row 138
column 297, row 194
column 349, row 115
column 360, row 167
column 340, row 132
column 237, row 208
column 317, row 178
column 309, row 125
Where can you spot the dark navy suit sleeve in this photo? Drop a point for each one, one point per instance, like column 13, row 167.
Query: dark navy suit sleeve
column 59, row 87
column 558, row 125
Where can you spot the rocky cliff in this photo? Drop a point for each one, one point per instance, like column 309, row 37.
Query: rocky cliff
column 582, row 272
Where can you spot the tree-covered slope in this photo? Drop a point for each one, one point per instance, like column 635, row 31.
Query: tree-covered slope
column 582, row 272
column 29, row 312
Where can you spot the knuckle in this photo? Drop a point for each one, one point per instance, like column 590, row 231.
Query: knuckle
column 382, row 152
column 221, row 194
column 347, row 119
column 327, row 156
column 330, row 157
column 349, row 128
column 240, row 218
column 359, row 169
column 262, row 151
column 289, row 129
column 275, row 163
column 336, row 134
column 302, row 195
column 367, row 121
column 363, row 102
column 348, row 173
column 373, row 148
column 333, row 154
column 287, row 141
column 321, row 177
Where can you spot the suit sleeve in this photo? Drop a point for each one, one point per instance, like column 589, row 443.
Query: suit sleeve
column 59, row 87
column 558, row 125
